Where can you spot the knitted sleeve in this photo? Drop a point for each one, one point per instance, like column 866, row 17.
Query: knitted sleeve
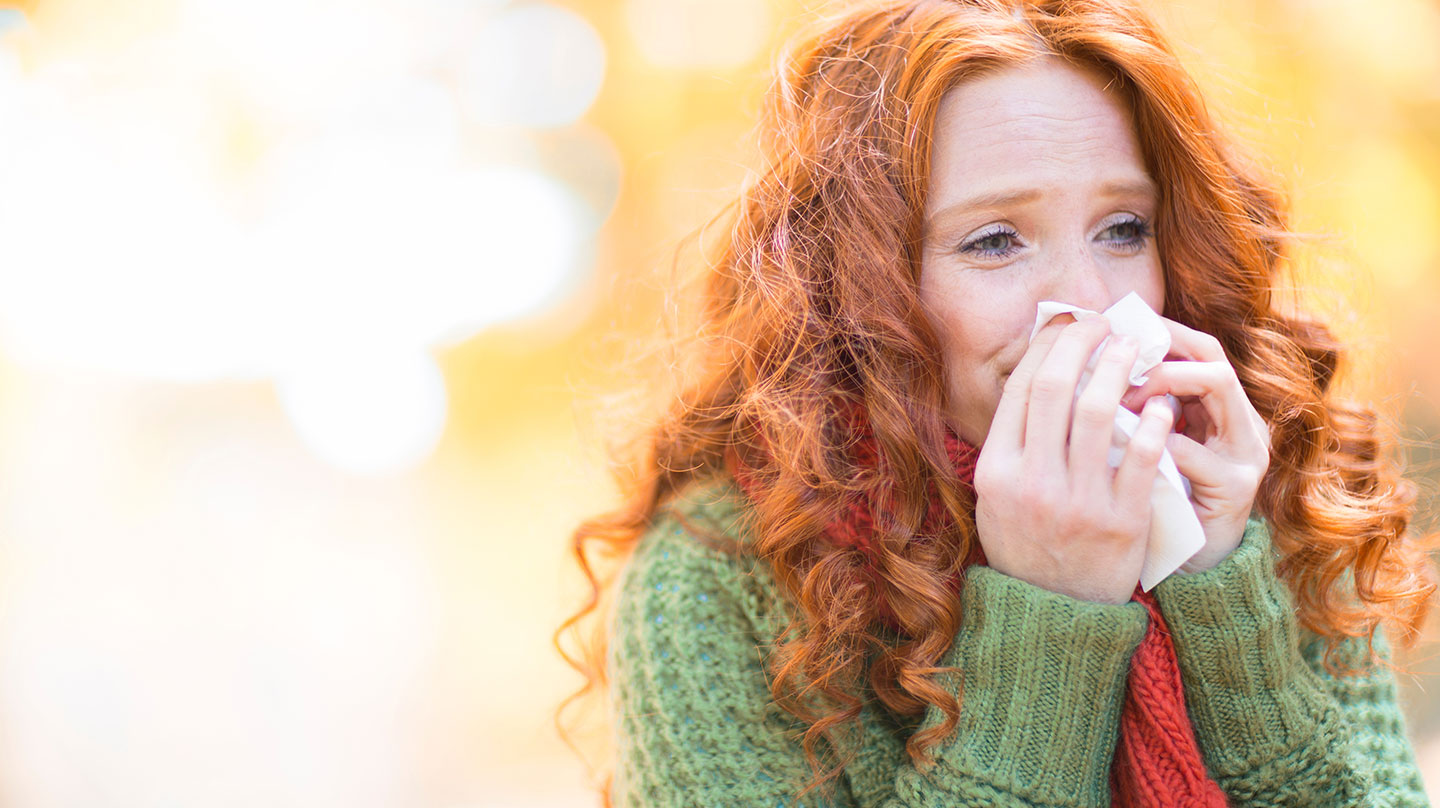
column 1044, row 678
column 1274, row 727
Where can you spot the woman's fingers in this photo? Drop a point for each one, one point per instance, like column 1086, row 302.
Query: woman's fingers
column 1212, row 475
column 1052, row 391
column 1007, row 426
column 1214, row 383
column 1093, row 426
column 1136, row 475
column 1187, row 343
column 1200, row 465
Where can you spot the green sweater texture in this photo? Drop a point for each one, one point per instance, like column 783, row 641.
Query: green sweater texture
column 1044, row 682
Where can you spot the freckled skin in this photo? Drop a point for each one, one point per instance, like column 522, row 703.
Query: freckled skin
column 1053, row 132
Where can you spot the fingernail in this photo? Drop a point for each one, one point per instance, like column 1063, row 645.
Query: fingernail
column 1127, row 341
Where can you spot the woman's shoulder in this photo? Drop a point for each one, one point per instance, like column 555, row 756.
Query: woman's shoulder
column 699, row 543
column 706, row 519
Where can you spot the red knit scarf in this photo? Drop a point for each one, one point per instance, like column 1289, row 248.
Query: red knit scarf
column 1157, row 761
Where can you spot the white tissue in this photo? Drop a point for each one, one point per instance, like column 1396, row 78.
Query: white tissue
column 1175, row 532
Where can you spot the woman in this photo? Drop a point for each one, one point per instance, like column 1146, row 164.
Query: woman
column 876, row 553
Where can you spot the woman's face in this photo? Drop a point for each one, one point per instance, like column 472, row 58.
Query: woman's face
column 1038, row 191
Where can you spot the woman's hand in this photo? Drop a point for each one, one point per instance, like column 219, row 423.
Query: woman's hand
column 1049, row 509
column 1224, row 446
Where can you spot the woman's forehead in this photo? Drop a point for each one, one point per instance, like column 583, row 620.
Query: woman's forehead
column 1021, row 130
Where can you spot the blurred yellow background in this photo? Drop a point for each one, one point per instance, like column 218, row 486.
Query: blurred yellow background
column 308, row 309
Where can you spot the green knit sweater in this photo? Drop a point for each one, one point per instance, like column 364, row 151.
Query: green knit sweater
column 1044, row 683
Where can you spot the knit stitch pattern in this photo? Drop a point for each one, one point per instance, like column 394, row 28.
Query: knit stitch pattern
column 1043, row 680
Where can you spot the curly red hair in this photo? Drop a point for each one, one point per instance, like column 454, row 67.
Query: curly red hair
column 811, row 307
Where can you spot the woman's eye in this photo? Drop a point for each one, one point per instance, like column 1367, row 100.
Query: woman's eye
column 992, row 244
column 1129, row 234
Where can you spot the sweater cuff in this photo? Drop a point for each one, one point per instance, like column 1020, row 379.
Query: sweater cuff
column 1250, row 694
column 1042, row 683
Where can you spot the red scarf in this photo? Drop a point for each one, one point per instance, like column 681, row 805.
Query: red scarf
column 1157, row 761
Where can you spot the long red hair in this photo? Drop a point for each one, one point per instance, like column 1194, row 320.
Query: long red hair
column 810, row 306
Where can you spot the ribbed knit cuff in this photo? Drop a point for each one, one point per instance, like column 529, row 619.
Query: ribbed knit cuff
column 1249, row 692
column 1043, row 685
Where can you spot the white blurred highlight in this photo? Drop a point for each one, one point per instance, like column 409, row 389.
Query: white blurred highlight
column 368, row 413
column 236, row 190
column 534, row 65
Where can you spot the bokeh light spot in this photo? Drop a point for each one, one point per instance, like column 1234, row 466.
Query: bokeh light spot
column 534, row 65
column 368, row 413
column 11, row 18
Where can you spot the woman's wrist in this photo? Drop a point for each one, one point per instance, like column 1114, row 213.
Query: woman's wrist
column 1220, row 544
column 1067, row 659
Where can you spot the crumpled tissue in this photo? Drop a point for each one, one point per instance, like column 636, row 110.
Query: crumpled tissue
column 1175, row 532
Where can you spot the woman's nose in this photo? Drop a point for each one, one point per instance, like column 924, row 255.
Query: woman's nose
column 1078, row 279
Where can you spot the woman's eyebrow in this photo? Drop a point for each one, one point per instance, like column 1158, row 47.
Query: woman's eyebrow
column 1141, row 186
